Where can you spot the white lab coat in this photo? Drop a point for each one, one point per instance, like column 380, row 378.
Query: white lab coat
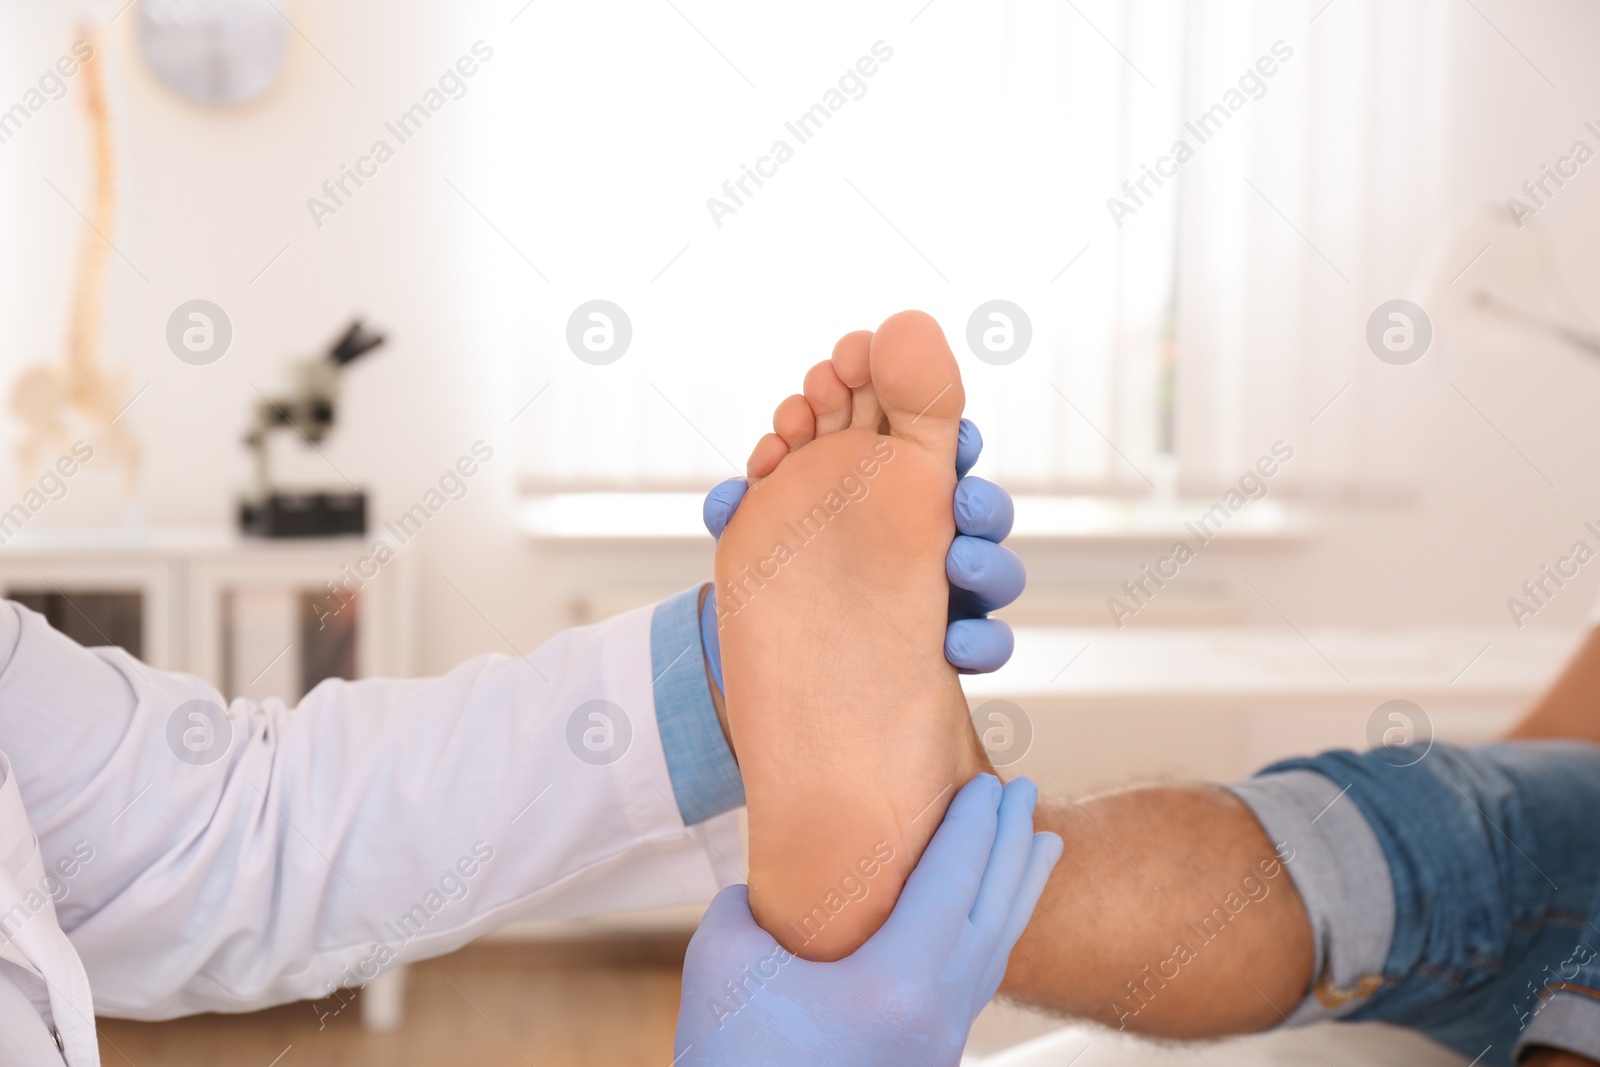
column 377, row 822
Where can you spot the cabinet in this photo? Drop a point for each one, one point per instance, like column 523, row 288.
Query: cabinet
column 255, row 618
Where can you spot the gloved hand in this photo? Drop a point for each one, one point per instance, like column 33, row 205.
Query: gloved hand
column 984, row 575
column 906, row 997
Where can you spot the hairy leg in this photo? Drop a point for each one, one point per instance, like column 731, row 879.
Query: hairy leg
column 1170, row 914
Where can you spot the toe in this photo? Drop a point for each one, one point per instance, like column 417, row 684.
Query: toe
column 765, row 457
column 917, row 382
column 852, row 361
column 829, row 398
column 794, row 422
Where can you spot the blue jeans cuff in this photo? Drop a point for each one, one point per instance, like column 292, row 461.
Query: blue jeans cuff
column 1338, row 866
column 1568, row 1020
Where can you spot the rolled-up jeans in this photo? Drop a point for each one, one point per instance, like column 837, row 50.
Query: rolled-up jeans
column 1453, row 891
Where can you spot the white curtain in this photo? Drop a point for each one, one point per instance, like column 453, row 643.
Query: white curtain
column 977, row 163
column 1303, row 219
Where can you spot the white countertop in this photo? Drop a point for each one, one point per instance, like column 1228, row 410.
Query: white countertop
column 1278, row 662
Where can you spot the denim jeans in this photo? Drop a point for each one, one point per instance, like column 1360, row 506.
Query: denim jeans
column 1456, row 892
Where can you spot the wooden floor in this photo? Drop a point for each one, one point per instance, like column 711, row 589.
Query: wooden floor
column 490, row 1005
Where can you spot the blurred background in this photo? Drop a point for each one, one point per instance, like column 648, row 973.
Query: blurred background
column 1306, row 288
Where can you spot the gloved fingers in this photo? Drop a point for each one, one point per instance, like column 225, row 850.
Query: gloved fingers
column 932, row 911
column 969, row 444
column 729, row 909
column 978, row 646
column 983, row 509
column 979, row 959
column 724, row 950
column 1045, row 854
column 992, row 573
column 1008, row 858
column 720, row 504
column 728, row 929
column 1047, row 849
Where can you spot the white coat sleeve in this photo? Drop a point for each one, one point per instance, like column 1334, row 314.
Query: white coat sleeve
column 229, row 858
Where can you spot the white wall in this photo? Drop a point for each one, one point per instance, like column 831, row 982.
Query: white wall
column 209, row 197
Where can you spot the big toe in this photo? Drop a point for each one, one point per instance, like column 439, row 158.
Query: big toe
column 917, row 381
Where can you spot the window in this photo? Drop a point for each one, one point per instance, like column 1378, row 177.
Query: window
column 1187, row 306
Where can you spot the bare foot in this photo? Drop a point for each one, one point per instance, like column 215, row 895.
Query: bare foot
column 851, row 728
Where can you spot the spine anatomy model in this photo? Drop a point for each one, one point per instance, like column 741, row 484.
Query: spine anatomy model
column 57, row 401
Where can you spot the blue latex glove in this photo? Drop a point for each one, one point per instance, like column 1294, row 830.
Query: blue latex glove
column 910, row 994
column 984, row 575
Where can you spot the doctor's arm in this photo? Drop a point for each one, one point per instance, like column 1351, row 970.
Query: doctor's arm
column 232, row 856
column 229, row 856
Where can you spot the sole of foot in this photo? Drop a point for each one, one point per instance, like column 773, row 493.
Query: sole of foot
column 851, row 728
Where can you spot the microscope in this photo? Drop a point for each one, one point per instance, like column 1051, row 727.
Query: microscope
column 310, row 410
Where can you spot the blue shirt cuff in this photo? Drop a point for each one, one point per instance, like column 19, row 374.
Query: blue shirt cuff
column 705, row 778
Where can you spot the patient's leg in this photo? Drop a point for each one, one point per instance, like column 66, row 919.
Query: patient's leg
column 1453, row 891
column 1143, row 873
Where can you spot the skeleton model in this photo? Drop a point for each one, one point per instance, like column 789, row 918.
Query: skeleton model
column 52, row 400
